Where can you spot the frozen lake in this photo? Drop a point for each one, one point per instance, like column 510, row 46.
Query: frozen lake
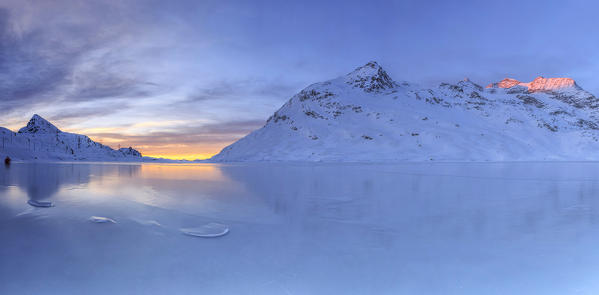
column 444, row 228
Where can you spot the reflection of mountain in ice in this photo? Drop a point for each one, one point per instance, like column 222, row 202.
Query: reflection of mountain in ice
column 42, row 180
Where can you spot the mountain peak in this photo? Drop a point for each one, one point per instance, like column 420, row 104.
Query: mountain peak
column 371, row 77
column 469, row 84
column 538, row 84
column 370, row 65
column 37, row 124
column 505, row 83
column 549, row 84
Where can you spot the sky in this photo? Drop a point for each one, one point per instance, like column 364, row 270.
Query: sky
column 183, row 79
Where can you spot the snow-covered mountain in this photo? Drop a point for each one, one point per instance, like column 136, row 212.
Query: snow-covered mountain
column 366, row 116
column 43, row 141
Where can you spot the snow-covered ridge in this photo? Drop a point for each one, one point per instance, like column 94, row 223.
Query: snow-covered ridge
column 41, row 140
column 366, row 116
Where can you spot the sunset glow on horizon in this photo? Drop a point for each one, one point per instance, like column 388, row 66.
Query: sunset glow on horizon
column 180, row 150
column 168, row 151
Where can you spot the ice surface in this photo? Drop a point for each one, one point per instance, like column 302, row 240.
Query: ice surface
column 99, row 219
column 210, row 230
column 443, row 228
column 147, row 222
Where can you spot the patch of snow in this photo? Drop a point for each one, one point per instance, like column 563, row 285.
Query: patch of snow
column 41, row 204
column 99, row 219
column 210, row 230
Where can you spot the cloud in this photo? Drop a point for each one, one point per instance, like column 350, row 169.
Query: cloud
column 196, row 134
column 77, row 114
column 27, row 69
column 240, row 89
column 102, row 80
column 67, row 60
column 218, row 90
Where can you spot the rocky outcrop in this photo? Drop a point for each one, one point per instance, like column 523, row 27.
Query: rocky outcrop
column 371, row 77
column 130, row 152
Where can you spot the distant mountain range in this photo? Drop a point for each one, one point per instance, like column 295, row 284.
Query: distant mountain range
column 367, row 116
column 40, row 140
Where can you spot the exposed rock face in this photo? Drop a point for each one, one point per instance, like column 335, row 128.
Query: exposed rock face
column 130, row 152
column 371, row 77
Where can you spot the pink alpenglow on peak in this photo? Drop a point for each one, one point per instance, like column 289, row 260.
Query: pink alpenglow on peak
column 541, row 84
column 505, row 83
column 538, row 84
